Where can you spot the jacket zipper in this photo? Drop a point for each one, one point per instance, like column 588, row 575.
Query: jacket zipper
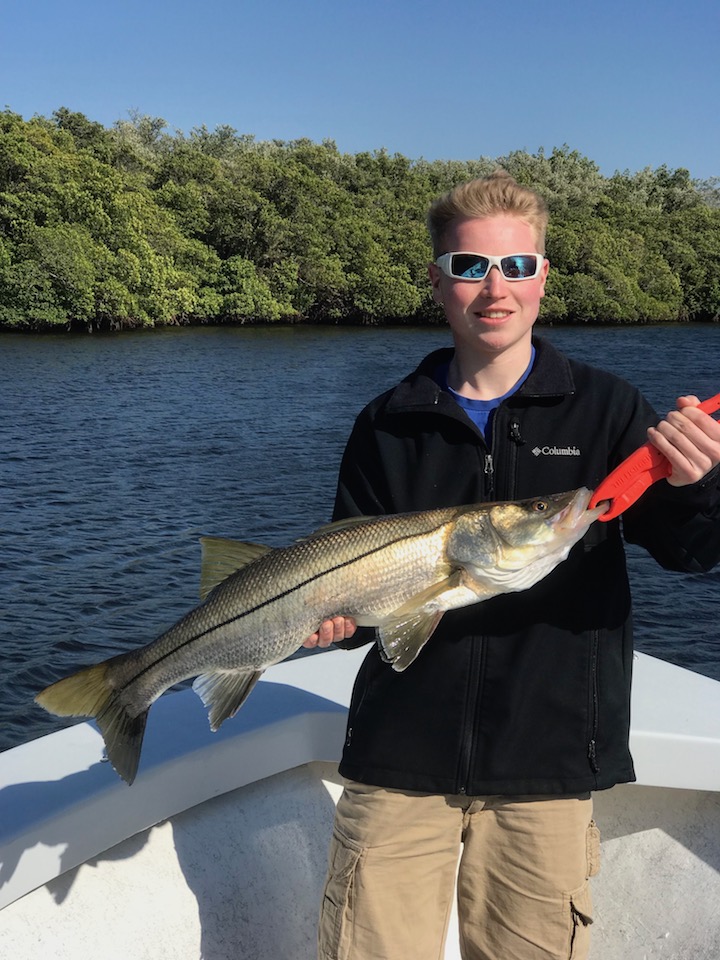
column 594, row 704
column 476, row 655
column 509, row 428
column 468, row 741
column 516, row 441
column 514, row 433
column 489, row 471
column 466, row 760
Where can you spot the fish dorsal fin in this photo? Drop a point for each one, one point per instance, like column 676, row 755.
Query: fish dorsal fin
column 336, row 525
column 224, row 692
column 221, row 558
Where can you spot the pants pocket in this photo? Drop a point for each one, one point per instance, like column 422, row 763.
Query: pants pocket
column 335, row 929
column 592, row 846
column 580, row 905
column 579, row 902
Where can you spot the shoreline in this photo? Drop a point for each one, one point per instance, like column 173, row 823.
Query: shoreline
column 107, row 328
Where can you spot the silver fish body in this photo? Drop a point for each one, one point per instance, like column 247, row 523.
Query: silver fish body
column 398, row 573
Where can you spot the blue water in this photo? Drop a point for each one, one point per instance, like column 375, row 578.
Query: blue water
column 119, row 452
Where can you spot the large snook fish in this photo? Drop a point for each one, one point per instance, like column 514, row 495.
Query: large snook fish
column 398, row 573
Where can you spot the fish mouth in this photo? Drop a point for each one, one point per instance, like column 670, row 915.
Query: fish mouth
column 576, row 512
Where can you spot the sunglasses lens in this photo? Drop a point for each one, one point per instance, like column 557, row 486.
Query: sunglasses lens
column 469, row 266
column 519, row 267
column 475, row 266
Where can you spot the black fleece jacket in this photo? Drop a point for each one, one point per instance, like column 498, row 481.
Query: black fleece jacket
column 525, row 693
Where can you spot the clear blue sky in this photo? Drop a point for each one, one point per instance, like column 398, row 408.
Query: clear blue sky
column 628, row 83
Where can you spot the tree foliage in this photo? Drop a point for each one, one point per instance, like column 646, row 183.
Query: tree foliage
column 136, row 225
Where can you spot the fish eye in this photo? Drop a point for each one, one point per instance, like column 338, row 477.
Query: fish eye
column 540, row 506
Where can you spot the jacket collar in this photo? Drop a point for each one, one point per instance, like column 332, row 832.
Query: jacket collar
column 551, row 376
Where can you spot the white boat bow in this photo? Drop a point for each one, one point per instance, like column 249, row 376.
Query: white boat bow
column 218, row 850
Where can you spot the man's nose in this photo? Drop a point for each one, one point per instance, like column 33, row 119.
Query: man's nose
column 494, row 280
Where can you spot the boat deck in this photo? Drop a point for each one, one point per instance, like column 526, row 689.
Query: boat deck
column 219, row 848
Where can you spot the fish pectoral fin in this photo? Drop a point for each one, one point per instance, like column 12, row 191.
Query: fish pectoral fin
column 403, row 634
column 224, row 691
column 222, row 557
column 401, row 640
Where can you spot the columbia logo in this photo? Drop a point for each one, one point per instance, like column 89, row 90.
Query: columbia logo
column 556, row 451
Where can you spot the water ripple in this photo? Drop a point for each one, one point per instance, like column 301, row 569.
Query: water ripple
column 122, row 451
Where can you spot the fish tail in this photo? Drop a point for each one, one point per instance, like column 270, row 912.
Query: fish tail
column 89, row 693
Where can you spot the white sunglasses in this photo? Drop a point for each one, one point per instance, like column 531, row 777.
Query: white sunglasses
column 476, row 266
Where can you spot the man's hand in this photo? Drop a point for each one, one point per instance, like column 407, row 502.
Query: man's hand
column 339, row 628
column 690, row 439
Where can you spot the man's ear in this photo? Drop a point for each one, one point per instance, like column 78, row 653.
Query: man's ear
column 435, row 274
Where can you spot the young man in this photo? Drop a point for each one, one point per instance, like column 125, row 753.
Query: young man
column 488, row 747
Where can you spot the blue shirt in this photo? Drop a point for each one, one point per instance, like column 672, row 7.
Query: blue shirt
column 480, row 411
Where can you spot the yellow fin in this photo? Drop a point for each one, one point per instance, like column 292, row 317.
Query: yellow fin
column 224, row 692
column 88, row 693
column 403, row 634
column 83, row 694
column 222, row 557
column 402, row 640
column 346, row 524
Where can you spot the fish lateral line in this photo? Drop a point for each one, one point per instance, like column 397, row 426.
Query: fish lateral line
column 255, row 609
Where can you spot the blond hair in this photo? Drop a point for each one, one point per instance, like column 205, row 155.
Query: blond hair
column 496, row 195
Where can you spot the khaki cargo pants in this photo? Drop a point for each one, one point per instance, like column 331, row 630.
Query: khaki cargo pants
column 522, row 880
